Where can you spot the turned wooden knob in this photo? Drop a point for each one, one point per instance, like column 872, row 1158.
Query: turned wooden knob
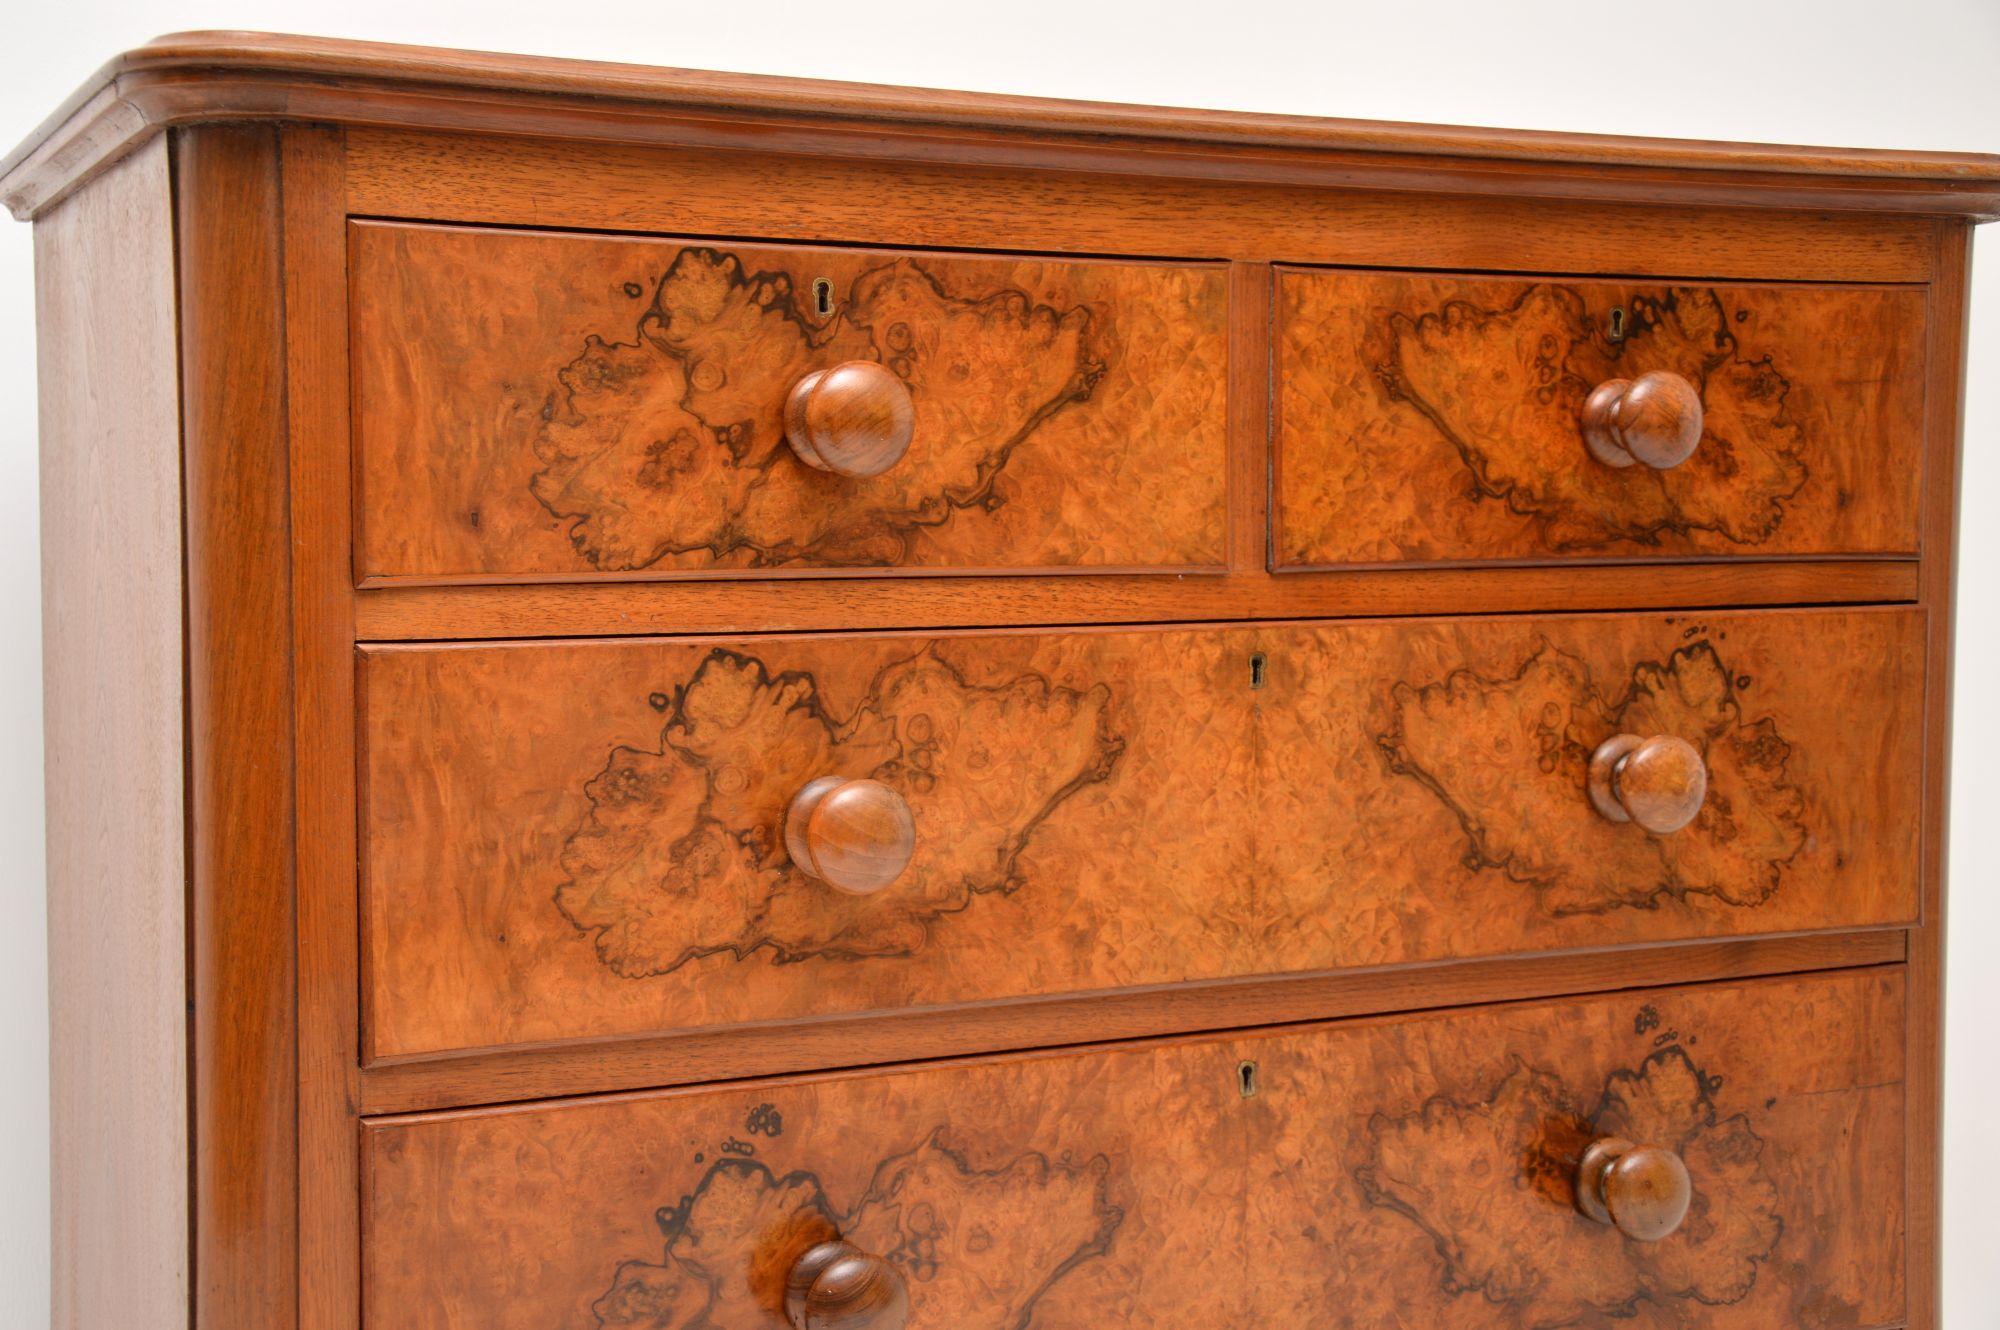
column 1655, row 419
column 1641, row 1189
column 852, row 834
column 854, row 419
column 837, row 1286
column 1658, row 783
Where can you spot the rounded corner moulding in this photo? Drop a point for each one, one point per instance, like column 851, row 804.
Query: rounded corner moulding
column 197, row 77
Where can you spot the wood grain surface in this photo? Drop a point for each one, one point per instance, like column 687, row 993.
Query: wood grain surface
column 241, row 761
column 117, row 821
column 622, row 609
column 551, row 868
column 196, row 77
column 546, row 404
column 569, row 840
column 717, row 1053
column 1945, row 368
column 314, row 241
column 1435, row 419
column 1414, row 1172
column 545, row 182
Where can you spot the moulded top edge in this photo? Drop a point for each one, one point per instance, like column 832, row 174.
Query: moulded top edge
column 202, row 76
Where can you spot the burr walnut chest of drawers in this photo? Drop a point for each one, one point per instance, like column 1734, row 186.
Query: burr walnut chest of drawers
column 693, row 702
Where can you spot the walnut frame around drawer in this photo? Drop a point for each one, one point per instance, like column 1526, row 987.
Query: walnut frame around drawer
column 392, row 174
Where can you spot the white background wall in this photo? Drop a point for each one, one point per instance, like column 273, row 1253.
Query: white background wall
column 1917, row 74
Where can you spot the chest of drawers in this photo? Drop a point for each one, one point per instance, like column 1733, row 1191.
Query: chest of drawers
column 691, row 702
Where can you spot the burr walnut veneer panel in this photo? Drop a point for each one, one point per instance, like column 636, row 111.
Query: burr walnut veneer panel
column 587, row 839
column 1435, row 419
column 1381, row 1173
column 537, row 405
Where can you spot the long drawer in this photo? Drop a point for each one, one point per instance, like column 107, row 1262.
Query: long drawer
column 531, row 405
column 588, row 839
column 1406, row 1173
column 1443, row 418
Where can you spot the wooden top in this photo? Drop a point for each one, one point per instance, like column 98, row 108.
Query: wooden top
column 206, row 76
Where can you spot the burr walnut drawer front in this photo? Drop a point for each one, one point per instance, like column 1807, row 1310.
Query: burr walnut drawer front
column 534, row 406
column 1727, row 1157
column 1441, row 419
column 613, row 837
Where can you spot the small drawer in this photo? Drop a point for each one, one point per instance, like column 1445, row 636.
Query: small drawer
column 534, row 406
column 1444, row 1171
column 582, row 840
column 1427, row 418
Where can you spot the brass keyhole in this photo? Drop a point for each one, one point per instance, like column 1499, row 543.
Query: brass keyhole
column 1618, row 324
column 823, row 297
column 1246, row 1079
column 1257, row 671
